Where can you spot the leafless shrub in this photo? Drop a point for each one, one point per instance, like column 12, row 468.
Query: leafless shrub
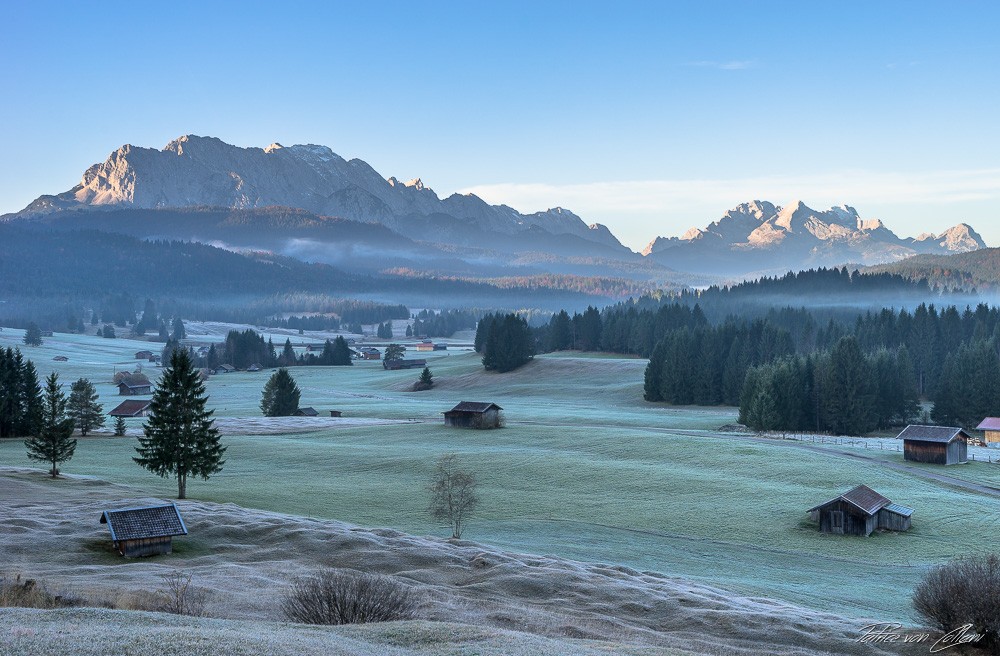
column 180, row 597
column 964, row 591
column 342, row 597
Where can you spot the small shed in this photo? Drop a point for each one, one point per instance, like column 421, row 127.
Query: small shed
column 146, row 531
column 132, row 408
column 861, row 511
column 305, row 412
column 370, row 353
column 256, row 366
column 143, row 355
column 425, row 346
column 991, row 429
column 336, row 413
column 136, row 388
column 473, row 414
column 939, row 445
column 225, row 369
column 61, row 358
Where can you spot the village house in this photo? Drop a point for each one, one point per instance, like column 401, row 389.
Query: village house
column 474, row 414
column 939, row 445
column 370, row 353
column 146, row 531
column 991, row 430
column 131, row 408
column 425, row 346
column 861, row 511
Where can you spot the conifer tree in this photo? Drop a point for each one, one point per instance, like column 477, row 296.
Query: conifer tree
column 280, row 397
column 340, row 354
column 287, row 354
column 32, row 335
column 53, row 442
column 179, row 438
column 178, row 330
column 120, row 426
column 83, row 407
column 425, row 382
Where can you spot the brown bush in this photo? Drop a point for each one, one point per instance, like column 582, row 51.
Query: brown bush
column 964, row 591
column 342, row 597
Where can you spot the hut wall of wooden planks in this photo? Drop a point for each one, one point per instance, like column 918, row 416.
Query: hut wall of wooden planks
column 938, row 445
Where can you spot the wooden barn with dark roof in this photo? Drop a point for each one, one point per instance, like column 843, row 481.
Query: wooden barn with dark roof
column 474, row 414
column 939, row 445
column 132, row 408
column 146, row 531
column 861, row 511
column 134, row 388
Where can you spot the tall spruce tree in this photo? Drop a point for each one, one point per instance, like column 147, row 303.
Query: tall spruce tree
column 850, row 390
column 179, row 438
column 509, row 344
column 340, row 354
column 83, row 408
column 53, row 442
column 280, row 397
column 32, row 335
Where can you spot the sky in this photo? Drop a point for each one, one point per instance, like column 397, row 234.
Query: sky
column 649, row 118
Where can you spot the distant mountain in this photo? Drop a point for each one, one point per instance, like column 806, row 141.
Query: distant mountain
column 309, row 202
column 197, row 171
column 759, row 236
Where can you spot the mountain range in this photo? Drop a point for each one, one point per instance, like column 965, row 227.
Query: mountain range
column 308, row 201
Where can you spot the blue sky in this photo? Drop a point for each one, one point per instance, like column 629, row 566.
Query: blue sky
column 648, row 117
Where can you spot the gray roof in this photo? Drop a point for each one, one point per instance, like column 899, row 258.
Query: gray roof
column 306, row 412
column 147, row 522
column 899, row 510
column 475, row 406
column 932, row 433
column 862, row 497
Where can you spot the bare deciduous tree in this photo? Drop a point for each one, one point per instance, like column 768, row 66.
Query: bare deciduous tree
column 453, row 494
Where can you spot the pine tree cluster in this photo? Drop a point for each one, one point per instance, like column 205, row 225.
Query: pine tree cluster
column 506, row 342
column 20, row 396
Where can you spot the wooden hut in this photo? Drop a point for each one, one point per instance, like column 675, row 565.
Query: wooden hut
column 991, row 429
column 131, row 408
column 305, row 412
column 336, row 413
column 225, row 369
column 144, row 531
column 143, row 355
column 474, row 414
column 861, row 511
column 939, row 445
column 134, row 388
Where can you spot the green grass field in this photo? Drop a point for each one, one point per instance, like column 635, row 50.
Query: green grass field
column 583, row 470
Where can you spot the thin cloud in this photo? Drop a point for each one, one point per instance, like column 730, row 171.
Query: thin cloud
column 735, row 65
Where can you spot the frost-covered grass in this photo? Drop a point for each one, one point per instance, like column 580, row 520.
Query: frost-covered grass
column 585, row 469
